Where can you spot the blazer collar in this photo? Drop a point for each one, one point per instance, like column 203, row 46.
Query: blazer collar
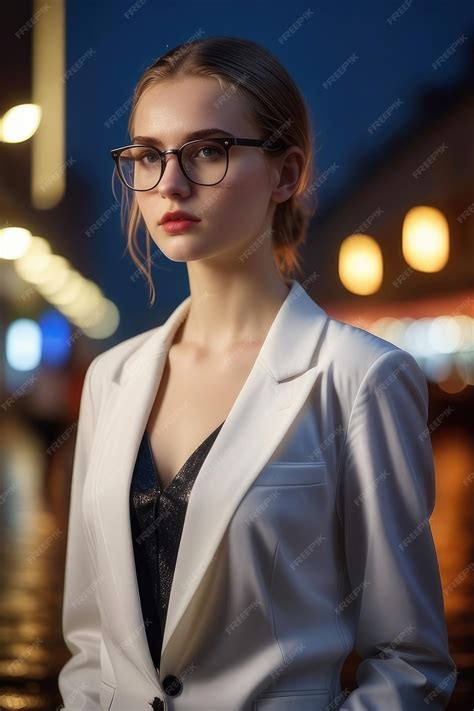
column 298, row 314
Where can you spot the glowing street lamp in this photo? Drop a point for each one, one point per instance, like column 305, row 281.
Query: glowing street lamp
column 20, row 123
column 360, row 264
column 425, row 239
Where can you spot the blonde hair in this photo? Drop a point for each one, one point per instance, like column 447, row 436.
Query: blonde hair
column 276, row 107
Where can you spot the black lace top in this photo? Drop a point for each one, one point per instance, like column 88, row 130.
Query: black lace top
column 157, row 519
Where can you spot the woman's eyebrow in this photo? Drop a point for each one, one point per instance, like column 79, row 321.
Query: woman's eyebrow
column 202, row 133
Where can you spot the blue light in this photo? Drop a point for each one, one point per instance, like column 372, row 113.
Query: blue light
column 56, row 337
column 23, row 344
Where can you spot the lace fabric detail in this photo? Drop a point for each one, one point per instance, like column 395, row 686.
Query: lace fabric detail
column 157, row 517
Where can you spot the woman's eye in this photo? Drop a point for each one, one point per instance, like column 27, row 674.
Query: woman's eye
column 152, row 156
column 146, row 158
column 201, row 153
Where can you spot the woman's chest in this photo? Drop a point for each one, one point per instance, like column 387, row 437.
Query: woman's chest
column 192, row 401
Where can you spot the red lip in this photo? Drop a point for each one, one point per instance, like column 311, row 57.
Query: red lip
column 178, row 215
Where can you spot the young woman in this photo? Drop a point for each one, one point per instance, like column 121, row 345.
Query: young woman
column 253, row 479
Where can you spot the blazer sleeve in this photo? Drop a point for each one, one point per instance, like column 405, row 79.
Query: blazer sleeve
column 386, row 497
column 79, row 679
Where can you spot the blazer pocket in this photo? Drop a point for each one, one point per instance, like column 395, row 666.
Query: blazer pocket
column 308, row 700
column 107, row 693
column 292, row 474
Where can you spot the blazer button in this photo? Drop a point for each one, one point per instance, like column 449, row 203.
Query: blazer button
column 172, row 685
column 157, row 704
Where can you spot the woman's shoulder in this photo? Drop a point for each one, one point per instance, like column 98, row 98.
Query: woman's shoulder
column 352, row 355
column 355, row 343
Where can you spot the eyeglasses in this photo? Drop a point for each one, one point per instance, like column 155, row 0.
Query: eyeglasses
column 203, row 161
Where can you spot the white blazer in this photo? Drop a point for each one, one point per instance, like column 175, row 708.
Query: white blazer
column 306, row 534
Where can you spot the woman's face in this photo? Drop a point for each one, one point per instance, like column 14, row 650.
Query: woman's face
column 235, row 212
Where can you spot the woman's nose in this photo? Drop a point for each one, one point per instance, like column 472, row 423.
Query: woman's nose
column 173, row 178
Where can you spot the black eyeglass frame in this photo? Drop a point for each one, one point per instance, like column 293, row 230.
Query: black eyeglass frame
column 226, row 142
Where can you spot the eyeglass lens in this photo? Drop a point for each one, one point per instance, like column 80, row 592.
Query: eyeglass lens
column 204, row 162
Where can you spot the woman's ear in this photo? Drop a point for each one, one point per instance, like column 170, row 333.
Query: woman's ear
column 286, row 173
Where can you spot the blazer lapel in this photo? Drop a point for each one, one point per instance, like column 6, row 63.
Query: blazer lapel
column 279, row 383
column 124, row 414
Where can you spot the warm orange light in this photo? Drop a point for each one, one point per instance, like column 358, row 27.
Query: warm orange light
column 360, row 264
column 425, row 239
